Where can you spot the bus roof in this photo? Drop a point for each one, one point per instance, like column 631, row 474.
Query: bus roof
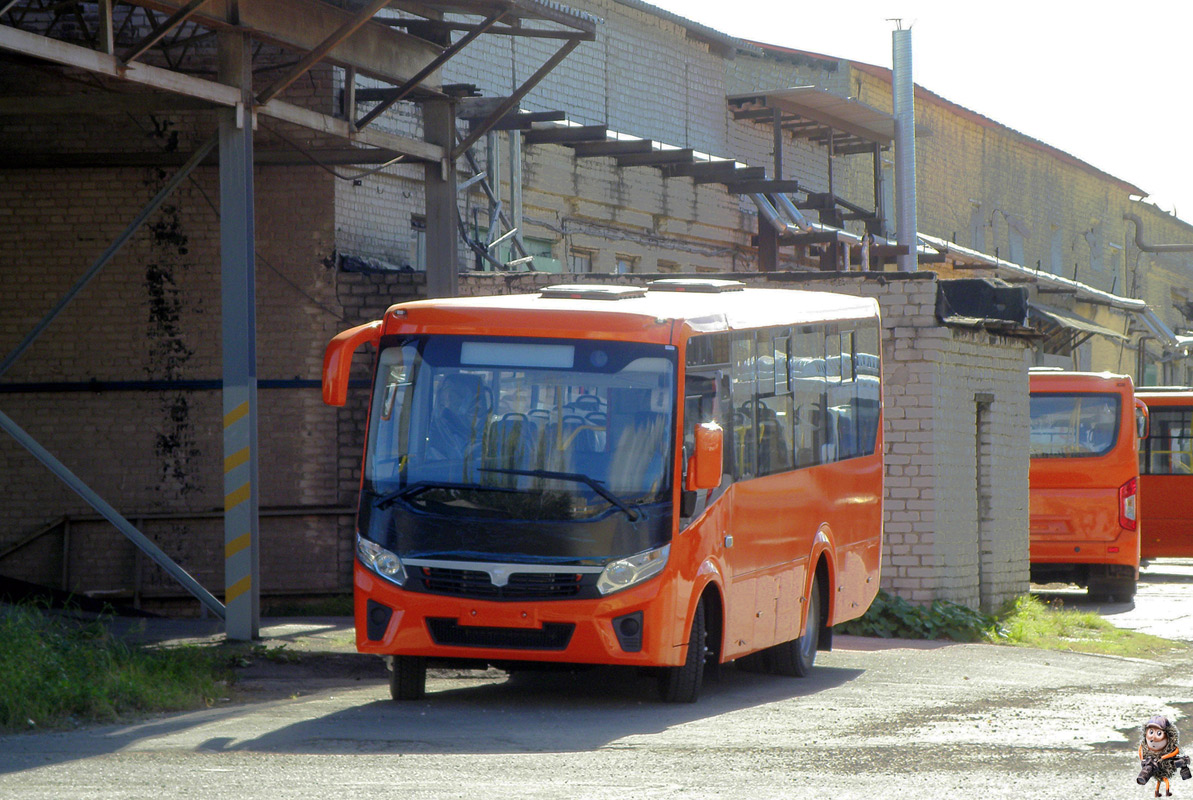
column 701, row 310
column 1064, row 380
column 1165, row 395
column 1186, row 391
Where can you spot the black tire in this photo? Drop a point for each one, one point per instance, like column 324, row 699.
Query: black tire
column 682, row 684
column 794, row 659
column 1111, row 590
column 408, row 677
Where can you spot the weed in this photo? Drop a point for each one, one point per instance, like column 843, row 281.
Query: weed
column 56, row 671
column 1029, row 622
column 892, row 617
column 1025, row 621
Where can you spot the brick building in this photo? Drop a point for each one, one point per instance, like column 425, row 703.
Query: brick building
column 124, row 387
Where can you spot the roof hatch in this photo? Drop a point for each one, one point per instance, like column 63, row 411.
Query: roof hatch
column 590, row 291
column 705, row 285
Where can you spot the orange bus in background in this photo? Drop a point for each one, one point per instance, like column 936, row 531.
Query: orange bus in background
column 1085, row 481
column 1166, row 474
column 654, row 477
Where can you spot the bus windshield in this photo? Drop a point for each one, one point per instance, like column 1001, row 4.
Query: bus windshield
column 517, row 436
column 1074, row 425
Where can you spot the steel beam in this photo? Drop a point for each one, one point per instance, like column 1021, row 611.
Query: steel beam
column 412, row 84
column 106, row 34
column 238, row 310
column 316, row 54
column 31, row 44
column 112, row 515
column 439, row 126
column 155, row 35
column 375, row 50
column 112, row 250
column 482, row 127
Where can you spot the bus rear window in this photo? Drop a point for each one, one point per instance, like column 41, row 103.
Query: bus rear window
column 1074, row 425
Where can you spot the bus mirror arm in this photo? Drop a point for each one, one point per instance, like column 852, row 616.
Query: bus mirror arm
column 337, row 360
column 705, row 463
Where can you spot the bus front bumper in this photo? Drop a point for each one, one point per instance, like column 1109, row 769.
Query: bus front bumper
column 636, row 626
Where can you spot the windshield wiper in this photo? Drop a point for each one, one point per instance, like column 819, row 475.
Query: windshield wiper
column 408, row 491
column 577, row 477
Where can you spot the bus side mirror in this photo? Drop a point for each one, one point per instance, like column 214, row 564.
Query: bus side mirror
column 706, row 461
column 1143, row 421
column 337, row 360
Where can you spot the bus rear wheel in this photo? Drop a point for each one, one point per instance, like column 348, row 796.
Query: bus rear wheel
column 795, row 658
column 407, row 677
column 1111, row 590
column 682, row 684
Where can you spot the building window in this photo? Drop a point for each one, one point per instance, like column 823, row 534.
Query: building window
column 579, row 261
column 1056, row 253
column 977, row 229
column 1016, row 249
column 1097, row 252
column 626, row 264
column 667, row 266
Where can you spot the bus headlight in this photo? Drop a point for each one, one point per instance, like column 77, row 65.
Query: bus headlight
column 380, row 560
column 626, row 572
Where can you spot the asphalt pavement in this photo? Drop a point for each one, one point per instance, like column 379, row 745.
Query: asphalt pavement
column 876, row 718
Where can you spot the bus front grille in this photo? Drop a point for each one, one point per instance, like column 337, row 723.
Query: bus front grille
column 552, row 636
column 521, row 585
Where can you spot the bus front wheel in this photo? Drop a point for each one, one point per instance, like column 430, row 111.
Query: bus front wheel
column 407, row 677
column 682, row 684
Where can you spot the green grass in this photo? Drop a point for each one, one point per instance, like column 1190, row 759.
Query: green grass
column 57, row 672
column 1029, row 622
column 1026, row 621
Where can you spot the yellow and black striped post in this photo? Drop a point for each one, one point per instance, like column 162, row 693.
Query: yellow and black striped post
column 241, row 593
column 238, row 307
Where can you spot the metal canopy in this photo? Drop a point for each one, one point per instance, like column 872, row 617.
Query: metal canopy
column 140, row 56
column 810, row 112
column 1063, row 318
column 158, row 54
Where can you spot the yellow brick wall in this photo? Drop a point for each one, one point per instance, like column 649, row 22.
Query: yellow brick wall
column 998, row 191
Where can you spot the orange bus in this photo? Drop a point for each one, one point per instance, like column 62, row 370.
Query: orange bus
column 1085, row 431
column 656, row 476
column 1166, row 473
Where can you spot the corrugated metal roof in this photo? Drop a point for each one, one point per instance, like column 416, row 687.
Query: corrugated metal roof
column 702, row 31
column 827, row 108
column 520, row 9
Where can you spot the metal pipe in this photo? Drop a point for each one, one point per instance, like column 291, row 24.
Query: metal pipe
column 772, row 215
column 1162, row 332
column 787, row 208
column 903, row 94
column 112, row 515
column 1154, row 248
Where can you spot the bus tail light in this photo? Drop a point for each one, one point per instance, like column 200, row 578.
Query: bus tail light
column 1127, row 494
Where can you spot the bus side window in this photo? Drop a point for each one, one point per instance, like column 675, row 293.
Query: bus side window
column 774, row 409
column 807, row 376
column 708, row 359
column 831, row 445
column 745, row 431
column 1170, row 442
column 866, row 358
